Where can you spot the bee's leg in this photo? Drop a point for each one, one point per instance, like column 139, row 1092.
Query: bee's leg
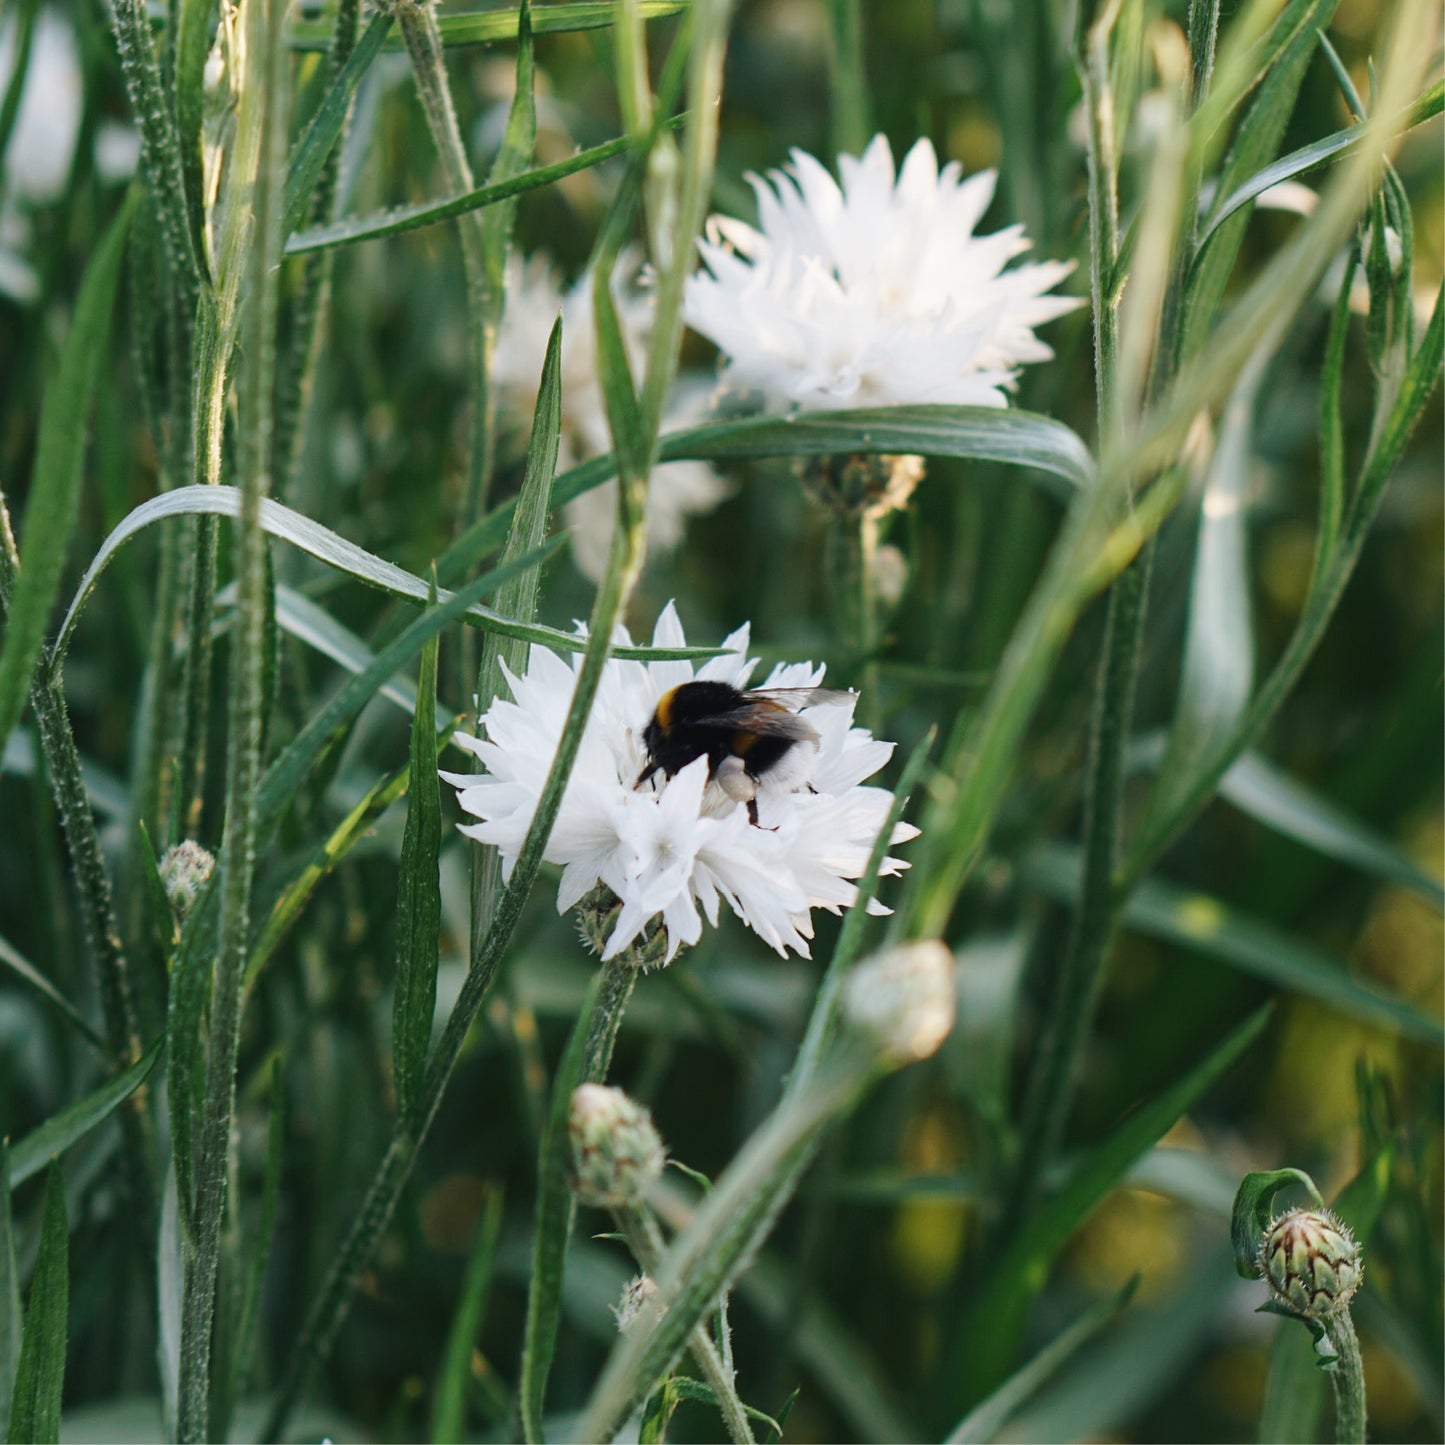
column 734, row 779
column 645, row 774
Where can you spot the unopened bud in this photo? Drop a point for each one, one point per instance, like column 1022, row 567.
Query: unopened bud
column 616, row 1151
column 1311, row 1262
column 639, row 1297
column 903, row 999
column 185, row 870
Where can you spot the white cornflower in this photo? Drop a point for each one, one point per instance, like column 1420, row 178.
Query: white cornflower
column 872, row 293
column 678, row 490
column 676, row 848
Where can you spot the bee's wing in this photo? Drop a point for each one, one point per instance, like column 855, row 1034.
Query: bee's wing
column 764, row 718
column 794, row 698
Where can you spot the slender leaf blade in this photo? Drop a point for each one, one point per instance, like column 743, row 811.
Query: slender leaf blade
column 55, row 484
column 75, row 1121
column 449, row 1411
column 40, row 1374
column 12, row 1321
column 419, row 900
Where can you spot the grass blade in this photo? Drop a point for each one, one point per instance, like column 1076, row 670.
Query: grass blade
column 555, row 1210
column 55, row 484
column 40, row 1373
column 335, row 551
column 986, row 1419
column 61, row 1130
column 487, row 27
column 12, row 1321
column 23, row 969
column 308, row 159
column 419, row 900
column 1202, row 923
column 448, row 1419
column 986, row 1345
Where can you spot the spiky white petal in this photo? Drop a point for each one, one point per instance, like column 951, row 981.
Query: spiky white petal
column 681, row 847
column 874, row 289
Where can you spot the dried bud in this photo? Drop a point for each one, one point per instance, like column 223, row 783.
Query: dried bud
column 184, row 870
column 638, row 1298
column 1311, row 1262
column 616, row 1152
column 903, row 1000
column 863, row 485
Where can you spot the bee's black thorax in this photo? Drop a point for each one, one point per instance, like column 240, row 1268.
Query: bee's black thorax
column 678, row 734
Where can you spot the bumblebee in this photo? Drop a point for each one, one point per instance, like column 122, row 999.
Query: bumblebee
column 745, row 736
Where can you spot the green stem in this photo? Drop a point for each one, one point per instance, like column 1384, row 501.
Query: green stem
column 422, row 37
column 848, row 78
column 265, row 114
column 1348, row 1378
column 619, row 978
column 644, row 1238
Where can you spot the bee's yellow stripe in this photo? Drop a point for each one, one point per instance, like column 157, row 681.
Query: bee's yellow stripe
column 664, row 709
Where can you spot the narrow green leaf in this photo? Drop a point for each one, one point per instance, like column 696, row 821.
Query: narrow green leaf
column 986, row 1345
column 614, row 372
column 1200, row 922
column 1217, row 671
column 170, row 1285
column 55, row 484
column 352, row 230
column 1311, row 157
column 1253, row 1208
column 76, row 1120
column 419, row 899
column 1294, row 1391
column 519, row 141
column 335, row 551
column 12, row 1322
column 1272, row 797
column 163, row 918
column 308, row 158
column 987, row 1418
column 486, row 27
column 555, row 1209
column 1332, row 421
column 1256, row 139
column 1013, row 438
column 40, row 1373
column 448, row 1421
column 22, row 968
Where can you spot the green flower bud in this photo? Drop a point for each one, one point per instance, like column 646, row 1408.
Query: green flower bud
column 184, row 870
column 1311, row 1262
column 616, row 1151
column 903, row 1000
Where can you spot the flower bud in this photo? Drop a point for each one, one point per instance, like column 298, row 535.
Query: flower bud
column 616, row 1152
column 903, row 1000
column 1311, row 1262
column 184, row 871
column 639, row 1297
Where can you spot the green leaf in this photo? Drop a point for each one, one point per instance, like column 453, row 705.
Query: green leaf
column 519, row 141
column 162, row 915
column 170, row 1287
column 1294, row 1391
column 335, row 551
column 986, row 1345
column 986, row 1419
column 352, row 230
column 76, row 1120
column 308, row 159
column 54, row 495
column 1217, row 671
column 1201, row 922
column 1255, row 142
column 22, row 968
column 12, row 1322
column 614, row 372
column 555, row 1209
column 1013, row 438
column 1332, row 421
column 419, row 899
column 486, row 27
column 1270, row 796
column 1312, row 156
column 40, row 1374
column 448, row 1421
column 1253, row 1208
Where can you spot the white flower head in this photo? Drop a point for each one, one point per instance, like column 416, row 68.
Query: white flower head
column 534, row 297
column 872, row 290
column 677, row 848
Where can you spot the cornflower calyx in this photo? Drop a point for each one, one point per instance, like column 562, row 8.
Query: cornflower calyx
column 1311, row 1262
column 616, row 1151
